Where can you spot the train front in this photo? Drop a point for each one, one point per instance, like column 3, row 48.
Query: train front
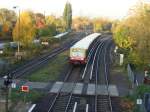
column 77, row 56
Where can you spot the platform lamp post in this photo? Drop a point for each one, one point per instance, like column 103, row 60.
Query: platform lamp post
column 15, row 7
column 7, row 83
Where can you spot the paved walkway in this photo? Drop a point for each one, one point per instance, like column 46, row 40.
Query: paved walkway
column 78, row 88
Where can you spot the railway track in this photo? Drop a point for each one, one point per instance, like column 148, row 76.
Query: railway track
column 114, row 101
column 86, row 77
column 81, row 103
column 36, row 63
column 102, row 103
column 99, row 73
column 105, row 103
column 62, row 100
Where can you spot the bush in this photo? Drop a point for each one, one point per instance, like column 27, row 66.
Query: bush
column 33, row 95
column 8, row 50
column 47, row 31
column 142, row 89
column 50, row 40
column 127, row 104
column 35, row 49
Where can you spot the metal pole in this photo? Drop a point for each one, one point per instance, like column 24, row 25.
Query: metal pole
column 18, row 30
column 6, row 104
column 67, row 16
column 44, row 18
column 7, row 82
column 19, row 33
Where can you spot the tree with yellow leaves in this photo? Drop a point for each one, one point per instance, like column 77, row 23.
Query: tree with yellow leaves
column 80, row 23
column 24, row 30
column 56, row 23
column 122, row 36
column 7, row 20
column 134, row 33
column 101, row 24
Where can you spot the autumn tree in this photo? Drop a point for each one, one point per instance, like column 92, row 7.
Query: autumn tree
column 7, row 20
column 101, row 24
column 81, row 23
column 134, row 33
column 142, row 32
column 24, row 30
column 40, row 20
column 123, row 36
column 67, row 15
column 54, row 25
column 47, row 25
column 50, row 19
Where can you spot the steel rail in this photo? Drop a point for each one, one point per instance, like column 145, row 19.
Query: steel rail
column 96, row 78
column 66, row 109
column 59, row 93
column 106, row 77
column 93, row 63
column 30, row 66
column 96, row 74
column 67, row 76
column 25, row 68
column 71, row 94
column 89, row 58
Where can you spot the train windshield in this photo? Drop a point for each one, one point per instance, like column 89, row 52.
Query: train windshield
column 78, row 52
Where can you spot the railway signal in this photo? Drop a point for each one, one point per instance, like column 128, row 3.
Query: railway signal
column 121, row 59
column 25, row 89
column 7, row 83
column 13, row 85
column 139, row 101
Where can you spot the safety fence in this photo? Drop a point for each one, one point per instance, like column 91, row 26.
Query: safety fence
column 133, row 80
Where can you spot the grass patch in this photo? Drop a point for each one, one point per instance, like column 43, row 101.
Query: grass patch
column 137, row 93
column 32, row 95
column 16, row 96
column 31, row 54
column 51, row 71
column 20, row 100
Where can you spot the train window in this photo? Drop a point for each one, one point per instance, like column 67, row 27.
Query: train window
column 77, row 50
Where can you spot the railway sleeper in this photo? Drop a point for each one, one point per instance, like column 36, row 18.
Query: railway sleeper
column 61, row 103
column 116, row 107
column 103, row 104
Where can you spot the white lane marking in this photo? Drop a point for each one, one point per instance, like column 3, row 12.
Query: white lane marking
column 32, row 107
column 75, row 107
column 87, row 107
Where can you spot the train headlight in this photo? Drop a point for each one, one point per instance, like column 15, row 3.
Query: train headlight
column 82, row 59
column 71, row 58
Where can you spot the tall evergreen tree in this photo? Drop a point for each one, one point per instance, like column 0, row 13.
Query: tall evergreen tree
column 67, row 15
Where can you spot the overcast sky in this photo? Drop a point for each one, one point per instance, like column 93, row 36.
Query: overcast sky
column 92, row 8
